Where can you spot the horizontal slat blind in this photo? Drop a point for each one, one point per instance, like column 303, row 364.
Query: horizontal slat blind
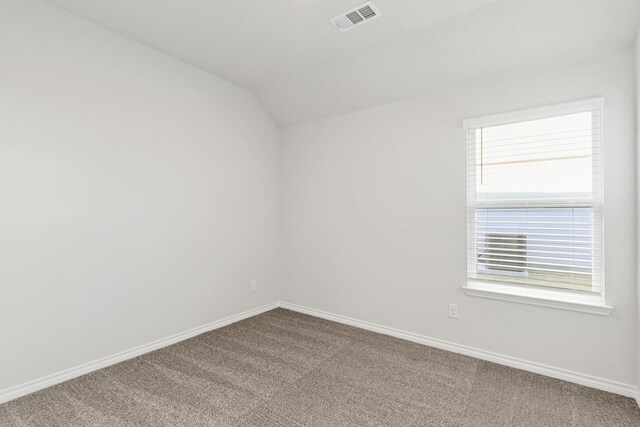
column 535, row 201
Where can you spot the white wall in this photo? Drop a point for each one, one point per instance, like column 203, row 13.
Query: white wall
column 139, row 198
column 638, row 211
column 374, row 220
column 139, row 194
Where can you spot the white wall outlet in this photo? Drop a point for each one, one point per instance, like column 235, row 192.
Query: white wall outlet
column 453, row 311
column 254, row 285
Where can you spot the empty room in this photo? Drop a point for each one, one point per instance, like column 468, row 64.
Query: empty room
column 319, row 213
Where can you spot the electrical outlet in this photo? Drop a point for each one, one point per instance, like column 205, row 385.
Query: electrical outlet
column 254, row 285
column 453, row 311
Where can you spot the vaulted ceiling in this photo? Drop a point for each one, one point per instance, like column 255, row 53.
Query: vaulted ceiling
column 302, row 68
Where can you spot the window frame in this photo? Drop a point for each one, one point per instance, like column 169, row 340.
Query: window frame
column 589, row 302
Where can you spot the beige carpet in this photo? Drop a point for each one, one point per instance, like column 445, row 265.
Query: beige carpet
column 287, row 369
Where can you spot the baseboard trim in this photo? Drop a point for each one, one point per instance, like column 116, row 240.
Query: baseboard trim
column 538, row 368
column 53, row 379
column 559, row 373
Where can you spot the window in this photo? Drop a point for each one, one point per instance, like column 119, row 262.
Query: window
column 534, row 202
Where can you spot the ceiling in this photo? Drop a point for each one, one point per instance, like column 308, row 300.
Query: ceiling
column 302, row 68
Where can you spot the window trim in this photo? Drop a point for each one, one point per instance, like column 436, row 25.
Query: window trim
column 535, row 113
column 567, row 300
column 593, row 303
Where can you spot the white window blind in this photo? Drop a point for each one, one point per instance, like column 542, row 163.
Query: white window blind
column 534, row 206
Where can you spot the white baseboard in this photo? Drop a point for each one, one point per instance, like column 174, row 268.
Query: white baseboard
column 538, row 368
column 44, row 382
column 563, row 374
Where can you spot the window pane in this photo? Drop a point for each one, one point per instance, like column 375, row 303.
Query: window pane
column 536, row 246
column 542, row 159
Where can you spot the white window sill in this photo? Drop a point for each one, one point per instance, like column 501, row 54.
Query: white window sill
column 593, row 304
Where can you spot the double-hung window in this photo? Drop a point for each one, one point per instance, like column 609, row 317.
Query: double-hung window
column 534, row 206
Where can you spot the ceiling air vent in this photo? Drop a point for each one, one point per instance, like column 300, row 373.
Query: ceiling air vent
column 356, row 16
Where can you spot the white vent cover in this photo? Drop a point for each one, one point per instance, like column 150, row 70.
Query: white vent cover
column 364, row 13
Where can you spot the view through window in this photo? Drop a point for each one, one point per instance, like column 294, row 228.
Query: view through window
column 534, row 202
